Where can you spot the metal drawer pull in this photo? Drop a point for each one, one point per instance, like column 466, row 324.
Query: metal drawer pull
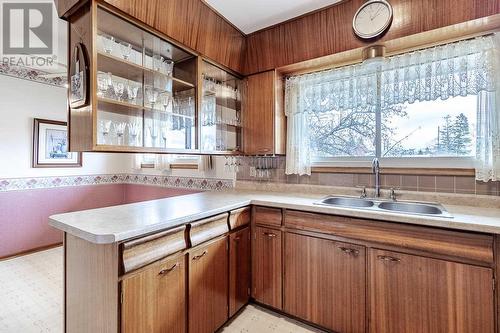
column 270, row 234
column 388, row 258
column 200, row 256
column 347, row 250
column 168, row 270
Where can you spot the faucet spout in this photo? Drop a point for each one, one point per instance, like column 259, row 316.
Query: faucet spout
column 376, row 174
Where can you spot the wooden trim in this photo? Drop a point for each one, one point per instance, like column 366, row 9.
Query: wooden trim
column 399, row 171
column 31, row 251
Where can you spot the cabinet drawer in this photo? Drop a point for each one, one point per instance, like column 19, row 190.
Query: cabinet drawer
column 239, row 217
column 267, row 216
column 140, row 252
column 472, row 246
column 207, row 229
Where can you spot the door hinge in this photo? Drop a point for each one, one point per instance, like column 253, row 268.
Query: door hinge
column 121, row 297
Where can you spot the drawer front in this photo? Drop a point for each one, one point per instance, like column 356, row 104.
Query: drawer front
column 267, row 216
column 140, row 252
column 207, row 229
column 239, row 217
column 472, row 246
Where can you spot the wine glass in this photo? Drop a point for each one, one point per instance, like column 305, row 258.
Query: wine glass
column 126, row 50
column 153, row 133
column 152, row 95
column 108, row 43
column 167, row 98
column 132, row 90
column 118, row 88
column 103, row 83
column 105, row 129
column 120, row 131
column 157, row 62
column 169, row 66
column 134, row 129
column 164, row 135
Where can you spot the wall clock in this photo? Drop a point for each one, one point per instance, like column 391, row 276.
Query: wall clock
column 372, row 19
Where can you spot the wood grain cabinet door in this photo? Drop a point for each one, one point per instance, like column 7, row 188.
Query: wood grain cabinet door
column 411, row 294
column 154, row 299
column 239, row 270
column 266, row 267
column 325, row 282
column 208, row 287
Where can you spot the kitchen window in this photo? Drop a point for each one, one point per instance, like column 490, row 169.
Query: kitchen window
column 430, row 108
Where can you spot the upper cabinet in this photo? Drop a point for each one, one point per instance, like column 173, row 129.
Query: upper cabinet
column 145, row 93
column 264, row 119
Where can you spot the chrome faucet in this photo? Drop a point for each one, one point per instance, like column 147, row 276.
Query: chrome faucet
column 376, row 173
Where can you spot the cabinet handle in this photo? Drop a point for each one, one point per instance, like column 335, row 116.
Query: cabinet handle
column 168, row 270
column 237, row 239
column 198, row 257
column 388, row 258
column 263, row 150
column 349, row 251
column 270, row 234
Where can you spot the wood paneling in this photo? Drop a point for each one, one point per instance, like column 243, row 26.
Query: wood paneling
column 66, row 7
column 192, row 23
column 240, row 217
column 476, row 247
column 416, row 294
column 325, row 282
column 266, row 267
column 154, row 300
column 267, row 216
column 207, row 229
column 143, row 251
column 91, row 286
column 208, row 287
column 239, row 269
column 329, row 31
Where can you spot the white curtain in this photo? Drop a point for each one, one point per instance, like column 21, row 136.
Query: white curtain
column 469, row 67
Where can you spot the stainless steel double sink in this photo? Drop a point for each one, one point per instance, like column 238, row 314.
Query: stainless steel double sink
column 403, row 207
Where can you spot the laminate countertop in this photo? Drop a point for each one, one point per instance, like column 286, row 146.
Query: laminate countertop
column 119, row 223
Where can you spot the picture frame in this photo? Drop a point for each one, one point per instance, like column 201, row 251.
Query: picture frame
column 50, row 145
column 78, row 77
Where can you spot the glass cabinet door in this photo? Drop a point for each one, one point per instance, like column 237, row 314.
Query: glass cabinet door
column 220, row 116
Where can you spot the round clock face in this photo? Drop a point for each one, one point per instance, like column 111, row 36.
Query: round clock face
column 372, row 19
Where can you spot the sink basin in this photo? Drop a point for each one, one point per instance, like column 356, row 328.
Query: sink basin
column 413, row 208
column 347, row 202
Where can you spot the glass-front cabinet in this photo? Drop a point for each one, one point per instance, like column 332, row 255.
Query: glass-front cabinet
column 148, row 94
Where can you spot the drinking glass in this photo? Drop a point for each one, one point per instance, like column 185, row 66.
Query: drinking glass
column 153, row 133
column 103, row 83
column 134, row 129
column 167, row 98
column 132, row 90
column 168, row 65
column 126, row 50
column 118, row 88
column 105, row 129
column 152, row 95
column 157, row 62
column 164, row 136
column 120, row 131
column 108, row 43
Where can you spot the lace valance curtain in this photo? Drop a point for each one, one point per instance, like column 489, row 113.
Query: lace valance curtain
column 470, row 67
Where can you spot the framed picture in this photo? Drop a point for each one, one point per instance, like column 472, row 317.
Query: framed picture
column 78, row 77
column 50, row 145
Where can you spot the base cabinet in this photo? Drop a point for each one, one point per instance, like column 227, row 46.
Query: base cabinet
column 266, row 267
column 208, row 287
column 324, row 282
column 154, row 299
column 415, row 294
column 239, row 270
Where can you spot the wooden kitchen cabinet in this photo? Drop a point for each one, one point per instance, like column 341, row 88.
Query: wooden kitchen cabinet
column 239, row 269
column 266, row 267
column 154, row 299
column 325, row 282
column 208, row 286
column 264, row 118
column 410, row 293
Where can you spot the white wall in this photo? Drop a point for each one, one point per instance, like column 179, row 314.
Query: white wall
column 20, row 102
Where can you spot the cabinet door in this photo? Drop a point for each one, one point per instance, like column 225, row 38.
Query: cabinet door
column 266, row 267
column 325, row 282
column 258, row 132
column 208, row 287
column 154, row 300
column 417, row 294
column 239, row 270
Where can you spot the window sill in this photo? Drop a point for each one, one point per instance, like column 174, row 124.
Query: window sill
column 398, row 171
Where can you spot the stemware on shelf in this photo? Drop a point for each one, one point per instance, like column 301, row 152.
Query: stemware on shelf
column 164, row 136
column 105, row 126
column 166, row 99
column 118, row 89
column 134, row 130
column 120, row 131
column 126, row 50
column 152, row 95
column 153, row 132
column 168, row 66
column 108, row 43
column 132, row 91
column 157, row 62
column 103, row 84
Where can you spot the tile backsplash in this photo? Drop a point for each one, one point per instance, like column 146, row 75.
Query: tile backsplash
column 441, row 184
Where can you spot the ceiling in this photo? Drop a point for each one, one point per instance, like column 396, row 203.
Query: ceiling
column 253, row 15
